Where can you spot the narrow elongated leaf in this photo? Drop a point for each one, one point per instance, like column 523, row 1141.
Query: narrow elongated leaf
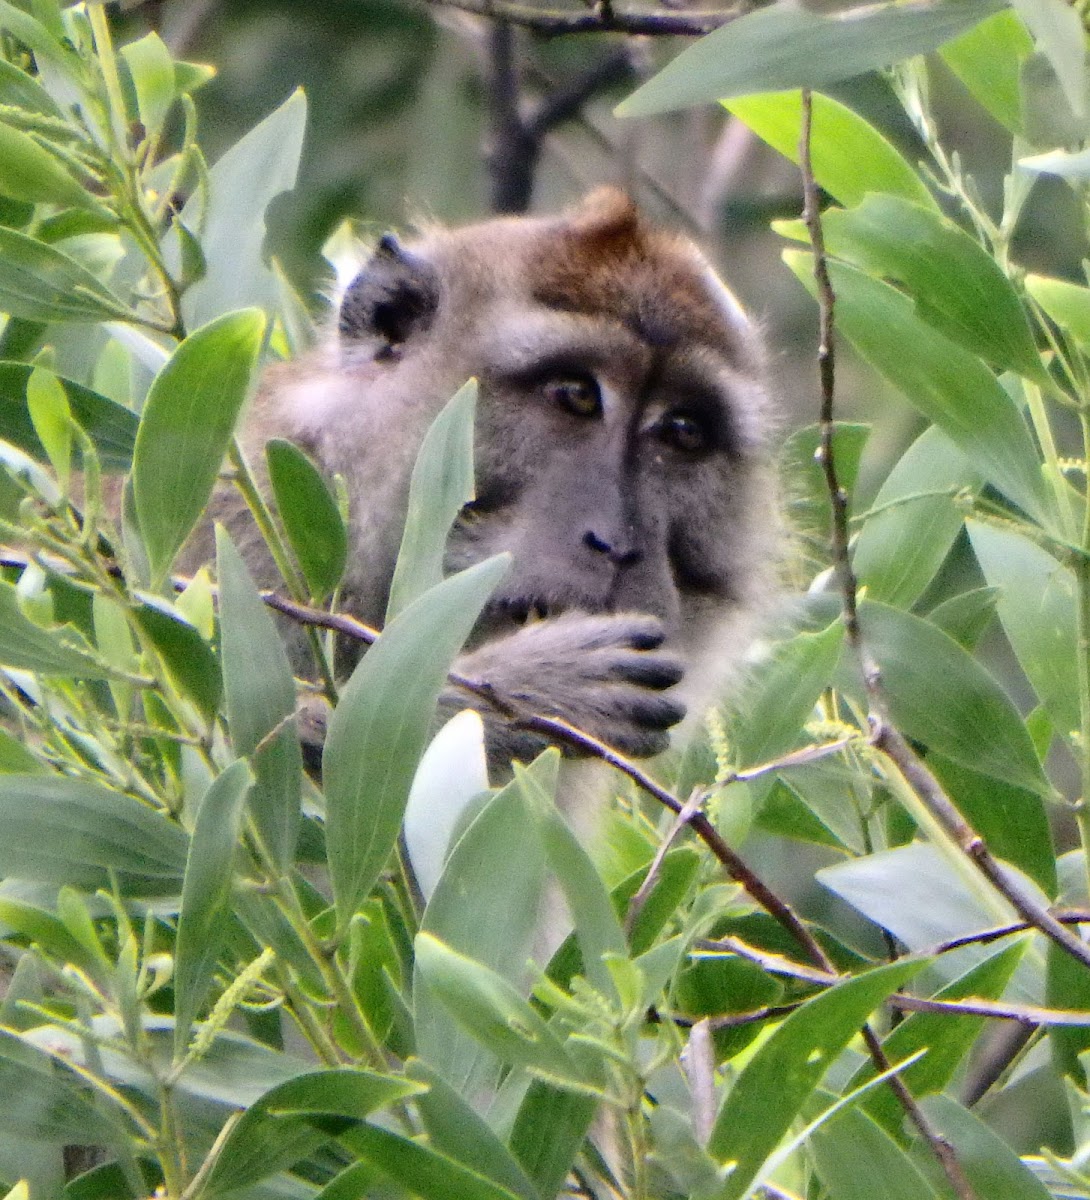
column 455, row 1129
column 597, row 928
column 59, row 830
column 780, row 699
column 976, row 724
column 790, row 46
column 990, row 1165
column 442, row 483
column 1058, row 30
column 489, row 1008
column 549, row 1131
column 41, row 283
column 949, row 385
column 206, row 895
column 29, row 172
column 781, row 1076
column 988, row 60
column 57, row 650
column 421, row 1171
column 186, row 426
column 109, row 425
column 956, row 285
column 293, row 1119
column 257, row 168
column 946, row 1037
column 487, row 904
column 47, row 404
column 188, row 658
column 378, row 730
column 915, row 521
column 20, row 90
column 856, row 1160
column 152, row 71
column 1036, row 606
column 1068, row 304
column 260, row 695
column 849, row 156
column 311, row 519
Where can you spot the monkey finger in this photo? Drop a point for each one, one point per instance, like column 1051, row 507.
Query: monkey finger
column 649, row 709
column 658, row 671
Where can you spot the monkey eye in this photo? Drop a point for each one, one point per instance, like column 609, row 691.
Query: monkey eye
column 578, row 394
column 684, row 432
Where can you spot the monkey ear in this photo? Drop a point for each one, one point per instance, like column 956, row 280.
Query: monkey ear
column 391, row 300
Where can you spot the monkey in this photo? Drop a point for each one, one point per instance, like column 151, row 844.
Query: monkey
column 622, row 457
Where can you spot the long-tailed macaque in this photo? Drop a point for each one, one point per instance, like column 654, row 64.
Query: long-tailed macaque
column 621, row 456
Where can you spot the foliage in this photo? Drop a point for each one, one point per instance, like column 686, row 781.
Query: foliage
column 223, row 976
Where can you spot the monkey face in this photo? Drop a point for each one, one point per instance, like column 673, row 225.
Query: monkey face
column 621, row 441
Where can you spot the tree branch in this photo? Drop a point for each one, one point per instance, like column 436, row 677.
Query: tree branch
column 603, row 18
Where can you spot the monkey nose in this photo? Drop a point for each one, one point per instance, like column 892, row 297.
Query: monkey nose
column 620, row 552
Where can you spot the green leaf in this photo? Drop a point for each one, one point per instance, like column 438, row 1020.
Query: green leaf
column 493, row 1012
column 957, row 287
column 1036, row 607
column 772, row 1089
column 41, row 283
column 597, row 928
column 966, row 616
column 311, row 519
column 949, row 385
column 187, row 657
column 1014, row 821
column 186, row 427
column 378, row 730
column 988, row 60
column 947, row 1037
column 914, row 521
column 20, row 90
column 778, row 701
column 442, row 483
column 454, row 1128
column 292, row 1120
column 990, row 1165
column 29, row 172
column 487, row 905
column 256, row 169
column 57, row 650
column 856, row 1160
column 260, row 696
column 421, row 1171
column 1067, row 304
column 47, row 404
column 975, row 725
column 15, row 758
column 549, row 1130
column 110, row 426
column 59, row 830
column 152, row 72
column 1058, row 30
column 203, row 921
column 787, row 46
column 849, row 156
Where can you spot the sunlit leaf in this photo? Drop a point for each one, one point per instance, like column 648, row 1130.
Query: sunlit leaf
column 1068, row 304
column 56, row 650
column 41, row 283
column 29, row 172
column 788, row 46
column 849, row 157
column 186, row 426
column 988, row 60
column 152, row 71
column 188, row 658
column 47, row 404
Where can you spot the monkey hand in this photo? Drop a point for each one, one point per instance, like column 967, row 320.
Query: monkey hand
column 604, row 673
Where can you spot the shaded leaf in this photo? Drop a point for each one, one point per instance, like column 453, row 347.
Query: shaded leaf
column 1068, row 304
column 41, row 283
column 29, row 172
column 311, row 519
column 186, row 426
column 781, row 1076
column 57, row 650
column 260, row 694
column 549, row 1131
column 949, row 385
column 378, row 730
column 187, row 657
column 206, row 895
column 63, row 831
column 442, row 483
column 1059, row 34
column 152, row 71
column 857, row 1160
column 789, row 46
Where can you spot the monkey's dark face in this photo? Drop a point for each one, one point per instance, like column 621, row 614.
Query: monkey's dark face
column 619, row 426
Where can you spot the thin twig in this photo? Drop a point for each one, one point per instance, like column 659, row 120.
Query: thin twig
column 600, row 19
